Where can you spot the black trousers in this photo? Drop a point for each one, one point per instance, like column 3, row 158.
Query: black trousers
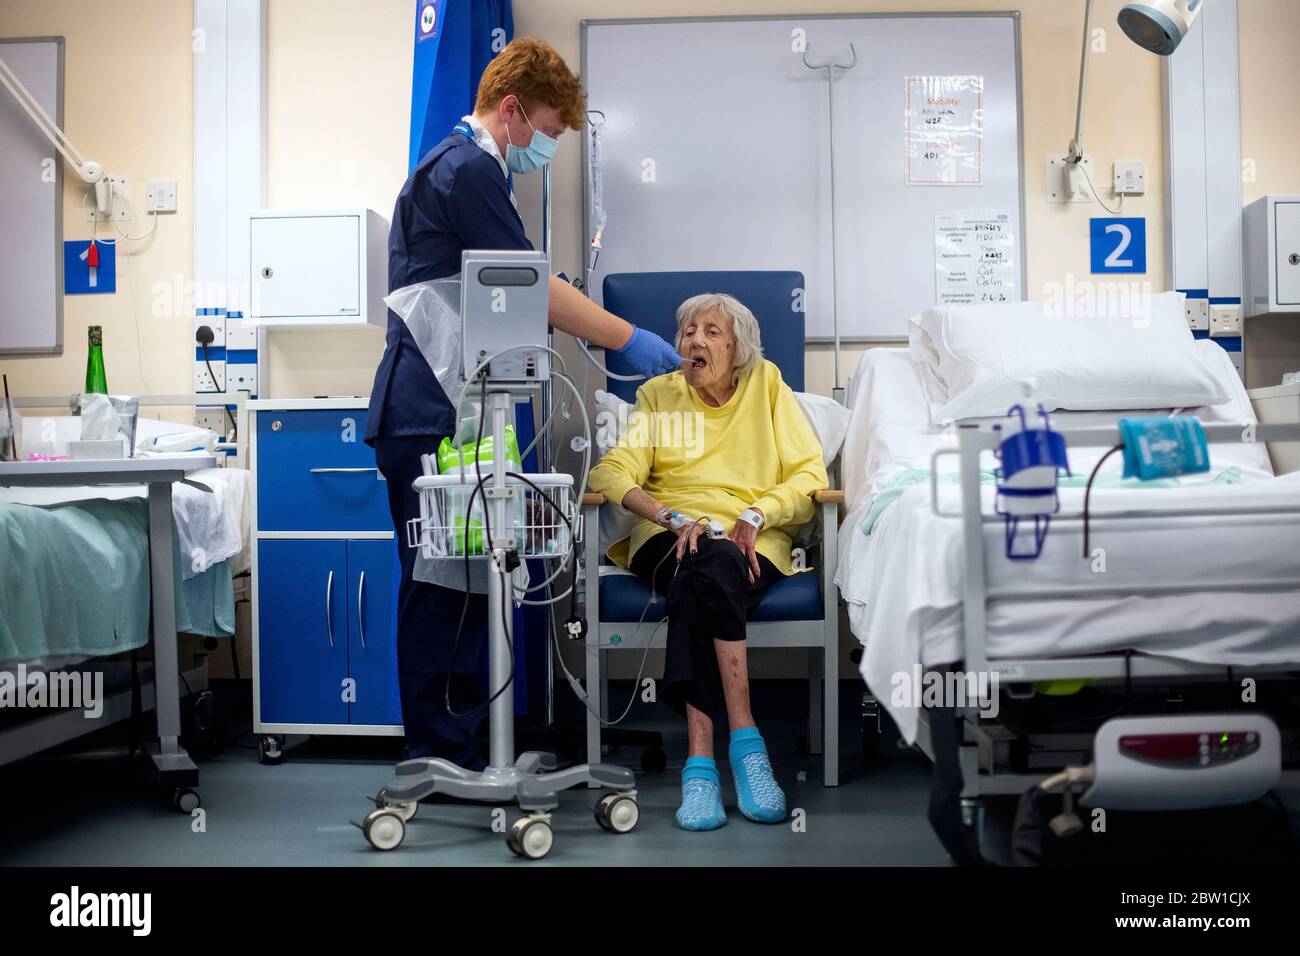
column 427, row 619
column 709, row 597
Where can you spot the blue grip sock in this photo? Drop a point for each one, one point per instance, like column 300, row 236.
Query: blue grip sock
column 757, row 792
column 701, row 807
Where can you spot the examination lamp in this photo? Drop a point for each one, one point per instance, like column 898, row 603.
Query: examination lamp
column 1159, row 25
column 91, row 172
column 1156, row 25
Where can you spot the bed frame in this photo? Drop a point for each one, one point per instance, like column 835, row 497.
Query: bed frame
column 54, row 728
column 985, row 744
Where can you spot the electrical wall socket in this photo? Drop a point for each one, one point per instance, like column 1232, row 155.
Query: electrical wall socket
column 1198, row 315
column 160, row 195
column 211, row 418
column 241, row 377
column 240, row 334
column 120, row 209
column 203, row 381
column 1225, row 320
column 217, row 323
column 1130, row 179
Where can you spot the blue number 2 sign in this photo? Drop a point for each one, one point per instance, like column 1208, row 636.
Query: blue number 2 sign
column 1119, row 245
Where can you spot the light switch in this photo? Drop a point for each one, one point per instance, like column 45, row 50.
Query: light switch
column 1130, row 179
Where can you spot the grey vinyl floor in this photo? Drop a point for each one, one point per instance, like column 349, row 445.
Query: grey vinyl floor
column 89, row 806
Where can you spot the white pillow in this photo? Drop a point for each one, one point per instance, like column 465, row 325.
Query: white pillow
column 977, row 361
column 829, row 420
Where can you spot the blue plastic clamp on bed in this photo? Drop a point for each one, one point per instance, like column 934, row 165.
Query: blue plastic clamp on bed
column 1159, row 446
column 1031, row 461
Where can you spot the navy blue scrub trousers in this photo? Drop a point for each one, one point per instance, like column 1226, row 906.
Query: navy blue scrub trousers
column 427, row 619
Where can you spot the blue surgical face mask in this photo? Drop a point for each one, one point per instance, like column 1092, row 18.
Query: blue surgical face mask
column 535, row 155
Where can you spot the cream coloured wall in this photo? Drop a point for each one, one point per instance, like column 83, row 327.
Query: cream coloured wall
column 128, row 103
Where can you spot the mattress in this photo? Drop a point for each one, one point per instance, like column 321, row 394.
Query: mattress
column 900, row 565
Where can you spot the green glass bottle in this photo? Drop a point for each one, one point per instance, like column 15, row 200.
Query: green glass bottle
column 96, row 383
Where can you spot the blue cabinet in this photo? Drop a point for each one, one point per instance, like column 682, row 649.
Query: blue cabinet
column 302, row 615
column 315, row 473
column 372, row 648
column 324, row 606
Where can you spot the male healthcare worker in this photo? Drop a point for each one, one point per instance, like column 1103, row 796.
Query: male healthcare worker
column 459, row 197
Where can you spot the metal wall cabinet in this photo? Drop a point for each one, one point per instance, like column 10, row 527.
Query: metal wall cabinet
column 1272, row 225
column 311, row 269
column 324, row 572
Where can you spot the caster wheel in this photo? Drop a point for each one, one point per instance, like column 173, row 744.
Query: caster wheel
column 654, row 760
column 271, row 750
column 530, row 837
column 185, row 800
column 618, row 812
column 385, row 829
column 406, row 811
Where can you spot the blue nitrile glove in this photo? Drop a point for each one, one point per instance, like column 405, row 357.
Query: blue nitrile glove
column 648, row 354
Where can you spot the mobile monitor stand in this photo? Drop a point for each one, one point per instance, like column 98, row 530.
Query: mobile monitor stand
column 531, row 779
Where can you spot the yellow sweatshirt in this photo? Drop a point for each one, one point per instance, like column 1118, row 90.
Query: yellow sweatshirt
column 757, row 450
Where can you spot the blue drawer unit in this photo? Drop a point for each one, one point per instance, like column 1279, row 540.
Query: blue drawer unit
column 302, row 614
column 325, row 575
column 315, row 473
column 372, row 648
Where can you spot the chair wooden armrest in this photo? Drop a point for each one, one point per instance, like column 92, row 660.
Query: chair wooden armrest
column 593, row 499
column 831, row 496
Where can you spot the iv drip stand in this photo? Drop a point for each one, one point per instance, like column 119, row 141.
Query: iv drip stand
column 830, row 66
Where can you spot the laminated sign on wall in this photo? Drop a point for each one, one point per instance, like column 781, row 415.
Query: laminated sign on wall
column 945, row 130
column 975, row 258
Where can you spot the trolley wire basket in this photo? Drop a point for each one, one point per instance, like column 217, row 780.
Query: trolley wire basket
column 540, row 515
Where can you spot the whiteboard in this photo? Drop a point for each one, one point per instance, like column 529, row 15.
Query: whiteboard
column 31, row 204
column 715, row 152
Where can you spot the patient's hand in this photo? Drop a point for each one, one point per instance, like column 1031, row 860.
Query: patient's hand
column 745, row 535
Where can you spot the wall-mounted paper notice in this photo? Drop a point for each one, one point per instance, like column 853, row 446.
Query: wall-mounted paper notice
column 975, row 257
column 945, row 130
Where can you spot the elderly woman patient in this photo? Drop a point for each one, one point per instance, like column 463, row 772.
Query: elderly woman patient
column 752, row 466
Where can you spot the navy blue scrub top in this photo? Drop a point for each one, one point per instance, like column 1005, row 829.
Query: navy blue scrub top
column 457, row 198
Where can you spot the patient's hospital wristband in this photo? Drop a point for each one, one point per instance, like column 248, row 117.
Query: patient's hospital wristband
column 752, row 516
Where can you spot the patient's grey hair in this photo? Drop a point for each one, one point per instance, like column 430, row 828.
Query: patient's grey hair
column 749, row 341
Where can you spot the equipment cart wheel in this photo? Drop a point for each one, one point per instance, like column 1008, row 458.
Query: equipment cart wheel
column 530, row 837
column 185, row 800
column 406, row 811
column 618, row 812
column 654, row 760
column 271, row 750
column 385, row 829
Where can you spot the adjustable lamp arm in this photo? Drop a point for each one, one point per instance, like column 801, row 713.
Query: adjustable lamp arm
column 91, row 172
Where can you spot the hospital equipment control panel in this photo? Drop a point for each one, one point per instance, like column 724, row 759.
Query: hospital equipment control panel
column 324, row 569
column 1184, row 762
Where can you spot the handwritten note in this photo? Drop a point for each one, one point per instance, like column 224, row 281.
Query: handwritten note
column 945, row 130
column 975, row 257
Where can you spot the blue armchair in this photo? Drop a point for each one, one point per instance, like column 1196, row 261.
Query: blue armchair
column 801, row 610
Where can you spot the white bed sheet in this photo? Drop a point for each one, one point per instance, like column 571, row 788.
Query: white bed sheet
column 906, row 609
column 211, row 527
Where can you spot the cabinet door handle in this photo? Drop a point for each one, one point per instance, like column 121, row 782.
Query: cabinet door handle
column 341, row 471
column 361, row 619
column 329, row 607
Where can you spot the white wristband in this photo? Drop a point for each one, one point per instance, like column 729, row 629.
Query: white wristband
column 752, row 516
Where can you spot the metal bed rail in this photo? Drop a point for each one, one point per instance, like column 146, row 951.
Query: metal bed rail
column 973, row 442
column 238, row 448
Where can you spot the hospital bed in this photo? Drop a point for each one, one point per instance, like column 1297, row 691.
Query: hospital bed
column 94, row 552
column 1199, row 589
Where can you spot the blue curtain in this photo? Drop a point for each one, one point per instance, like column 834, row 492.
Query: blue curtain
column 454, row 41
